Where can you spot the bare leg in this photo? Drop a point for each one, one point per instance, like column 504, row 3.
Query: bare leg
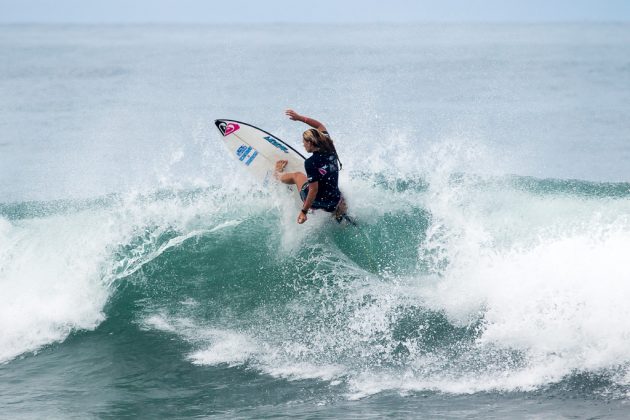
column 341, row 209
column 297, row 178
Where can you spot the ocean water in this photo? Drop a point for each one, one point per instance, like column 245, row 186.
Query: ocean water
column 143, row 274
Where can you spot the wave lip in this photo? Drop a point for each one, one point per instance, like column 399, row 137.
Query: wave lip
column 61, row 262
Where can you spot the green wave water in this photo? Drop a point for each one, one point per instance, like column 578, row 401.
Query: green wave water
column 215, row 302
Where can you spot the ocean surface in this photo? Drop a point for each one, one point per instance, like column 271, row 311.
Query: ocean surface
column 143, row 274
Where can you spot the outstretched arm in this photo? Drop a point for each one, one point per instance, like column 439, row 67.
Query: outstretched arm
column 306, row 120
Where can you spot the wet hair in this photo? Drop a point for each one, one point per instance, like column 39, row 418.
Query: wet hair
column 322, row 141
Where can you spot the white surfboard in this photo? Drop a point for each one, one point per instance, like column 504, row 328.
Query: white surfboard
column 257, row 150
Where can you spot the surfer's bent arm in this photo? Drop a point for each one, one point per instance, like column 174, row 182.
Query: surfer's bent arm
column 312, row 193
column 308, row 202
column 306, row 120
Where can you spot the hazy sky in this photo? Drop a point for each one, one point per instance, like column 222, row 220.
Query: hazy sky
column 250, row 11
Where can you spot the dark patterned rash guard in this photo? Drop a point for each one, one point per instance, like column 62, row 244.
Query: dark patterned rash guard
column 324, row 168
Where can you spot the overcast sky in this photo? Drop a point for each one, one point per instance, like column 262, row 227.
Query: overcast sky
column 337, row 11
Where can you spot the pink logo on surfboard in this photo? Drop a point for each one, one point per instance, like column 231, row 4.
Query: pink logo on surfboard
column 227, row 128
column 230, row 128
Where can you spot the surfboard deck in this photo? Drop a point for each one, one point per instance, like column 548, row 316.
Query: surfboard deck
column 258, row 150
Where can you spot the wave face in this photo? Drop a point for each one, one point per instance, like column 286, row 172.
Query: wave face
column 455, row 283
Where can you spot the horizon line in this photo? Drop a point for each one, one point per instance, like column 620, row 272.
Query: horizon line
column 283, row 22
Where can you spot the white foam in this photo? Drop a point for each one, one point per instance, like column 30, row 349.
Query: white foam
column 567, row 296
column 159, row 322
column 303, row 370
column 226, row 347
column 50, row 280
column 217, row 346
column 545, row 273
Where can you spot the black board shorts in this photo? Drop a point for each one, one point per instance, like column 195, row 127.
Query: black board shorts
column 328, row 206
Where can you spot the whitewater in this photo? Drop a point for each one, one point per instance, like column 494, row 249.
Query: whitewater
column 142, row 274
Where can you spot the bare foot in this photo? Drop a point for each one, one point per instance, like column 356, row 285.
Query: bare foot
column 280, row 165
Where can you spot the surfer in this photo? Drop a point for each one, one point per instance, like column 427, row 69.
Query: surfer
column 319, row 187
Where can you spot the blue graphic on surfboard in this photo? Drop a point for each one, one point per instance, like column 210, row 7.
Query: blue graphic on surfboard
column 257, row 150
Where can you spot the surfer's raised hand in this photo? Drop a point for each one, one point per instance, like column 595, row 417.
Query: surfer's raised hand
column 294, row 115
column 306, row 120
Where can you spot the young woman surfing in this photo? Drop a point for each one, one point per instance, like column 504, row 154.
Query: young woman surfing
column 319, row 186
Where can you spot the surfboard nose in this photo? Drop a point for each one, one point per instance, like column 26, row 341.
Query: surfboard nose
column 221, row 125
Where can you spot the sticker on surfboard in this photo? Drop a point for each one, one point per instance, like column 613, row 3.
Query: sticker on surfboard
column 227, row 128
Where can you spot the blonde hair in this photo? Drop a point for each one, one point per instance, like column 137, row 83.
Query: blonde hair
column 320, row 140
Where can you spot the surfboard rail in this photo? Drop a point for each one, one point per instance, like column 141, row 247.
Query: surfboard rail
column 219, row 121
